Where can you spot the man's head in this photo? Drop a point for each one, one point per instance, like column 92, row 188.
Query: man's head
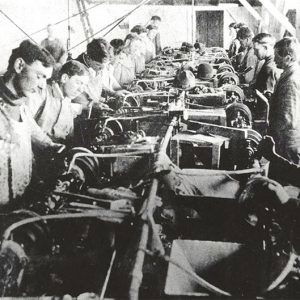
column 50, row 30
column 245, row 36
column 155, row 21
column 29, row 67
column 73, row 78
column 151, row 31
column 97, row 54
column 116, row 46
column 263, row 45
column 286, row 52
column 138, row 29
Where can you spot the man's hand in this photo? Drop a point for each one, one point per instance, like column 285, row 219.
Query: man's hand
column 57, row 148
column 277, row 188
column 266, row 148
column 121, row 93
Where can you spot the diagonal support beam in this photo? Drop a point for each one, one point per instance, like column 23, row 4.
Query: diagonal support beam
column 282, row 19
column 251, row 10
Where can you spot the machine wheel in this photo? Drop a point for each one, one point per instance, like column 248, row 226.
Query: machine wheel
column 238, row 115
column 233, row 93
column 143, row 85
column 225, row 68
column 132, row 101
column 223, row 60
column 228, row 78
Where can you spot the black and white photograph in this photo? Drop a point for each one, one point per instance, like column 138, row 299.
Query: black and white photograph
column 149, row 149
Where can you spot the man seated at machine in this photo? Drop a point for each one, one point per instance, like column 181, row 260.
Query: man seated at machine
column 29, row 67
column 123, row 63
column 96, row 59
column 56, row 115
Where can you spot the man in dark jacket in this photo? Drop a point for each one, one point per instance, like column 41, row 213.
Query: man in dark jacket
column 263, row 45
column 284, row 120
column 249, row 59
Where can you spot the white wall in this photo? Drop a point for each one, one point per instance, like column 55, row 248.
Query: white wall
column 32, row 15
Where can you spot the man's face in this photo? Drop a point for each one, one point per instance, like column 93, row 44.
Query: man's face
column 152, row 33
column 281, row 62
column 50, row 30
column 30, row 78
column 155, row 22
column 245, row 42
column 232, row 31
column 73, row 86
column 98, row 66
column 259, row 50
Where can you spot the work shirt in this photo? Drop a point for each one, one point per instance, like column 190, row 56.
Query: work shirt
column 268, row 76
column 15, row 146
column 249, row 60
column 124, row 68
column 56, row 115
column 150, row 50
column 234, row 48
column 157, row 44
column 93, row 90
column 137, row 49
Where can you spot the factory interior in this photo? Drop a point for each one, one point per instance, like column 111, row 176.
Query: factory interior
column 148, row 149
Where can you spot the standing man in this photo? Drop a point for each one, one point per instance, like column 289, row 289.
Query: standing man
column 249, row 59
column 155, row 21
column 263, row 45
column 284, row 121
column 56, row 48
column 29, row 67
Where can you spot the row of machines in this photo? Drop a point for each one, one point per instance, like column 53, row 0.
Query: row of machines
column 161, row 196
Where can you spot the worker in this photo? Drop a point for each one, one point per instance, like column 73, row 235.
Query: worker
column 29, row 67
column 284, row 116
column 123, row 62
column 267, row 77
column 234, row 42
column 96, row 59
column 56, row 48
column 56, row 115
column 149, row 38
column 235, row 50
column 138, row 46
column 249, row 59
column 135, row 50
column 156, row 21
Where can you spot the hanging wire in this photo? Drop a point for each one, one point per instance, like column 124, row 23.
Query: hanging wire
column 67, row 19
column 7, row 17
column 69, row 28
column 126, row 17
column 112, row 23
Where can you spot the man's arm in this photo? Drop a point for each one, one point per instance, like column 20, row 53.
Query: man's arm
column 271, row 80
column 290, row 206
column 289, row 172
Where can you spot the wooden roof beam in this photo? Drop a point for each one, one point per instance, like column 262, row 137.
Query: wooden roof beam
column 282, row 19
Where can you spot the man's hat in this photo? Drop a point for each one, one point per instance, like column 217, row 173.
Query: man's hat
column 184, row 79
column 205, row 71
